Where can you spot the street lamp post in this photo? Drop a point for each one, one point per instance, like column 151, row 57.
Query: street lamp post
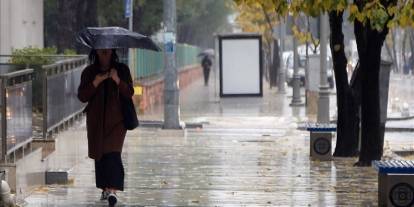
column 130, row 15
column 282, row 80
column 323, row 101
column 296, row 100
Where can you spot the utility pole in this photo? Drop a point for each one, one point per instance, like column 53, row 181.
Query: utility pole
column 171, row 84
column 282, row 78
column 131, row 14
column 296, row 100
column 307, row 63
column 323, row 102
column 129, row 8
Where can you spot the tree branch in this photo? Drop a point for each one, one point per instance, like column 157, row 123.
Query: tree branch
column 267, row 17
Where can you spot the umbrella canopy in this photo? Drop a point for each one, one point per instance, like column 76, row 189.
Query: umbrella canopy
column 208, row 52
column 114, row 37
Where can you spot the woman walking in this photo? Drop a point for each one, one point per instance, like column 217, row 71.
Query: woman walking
column 102, row 84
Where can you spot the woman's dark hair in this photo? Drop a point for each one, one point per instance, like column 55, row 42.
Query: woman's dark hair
column 94, row 59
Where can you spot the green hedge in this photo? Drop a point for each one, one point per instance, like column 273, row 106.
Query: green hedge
column 36, row 56
column 32, row 56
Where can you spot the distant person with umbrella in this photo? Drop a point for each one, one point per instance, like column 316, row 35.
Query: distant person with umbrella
column 105, row 83
column 206, row 63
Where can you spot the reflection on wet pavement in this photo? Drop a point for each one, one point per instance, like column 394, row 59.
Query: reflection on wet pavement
column 249, row 153
column 220, row 167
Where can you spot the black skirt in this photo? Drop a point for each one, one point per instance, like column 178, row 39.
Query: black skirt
column 109, row 171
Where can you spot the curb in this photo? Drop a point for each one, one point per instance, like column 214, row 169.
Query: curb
column 399, row 118
column 389, row 119
column 397, row 129
column 387, row 129
column 160, row 124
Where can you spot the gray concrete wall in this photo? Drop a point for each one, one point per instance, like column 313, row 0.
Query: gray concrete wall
column 21, row 24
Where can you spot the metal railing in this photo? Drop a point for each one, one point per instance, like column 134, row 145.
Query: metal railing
column 59, row 84
column 42, row 99
column 35, row 102
column 16, row 110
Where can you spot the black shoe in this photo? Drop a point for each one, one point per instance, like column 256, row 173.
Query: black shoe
column 112, row 199
column 104, row 195
column 362, row 163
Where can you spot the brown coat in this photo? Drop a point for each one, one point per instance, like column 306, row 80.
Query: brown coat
column 105, row 129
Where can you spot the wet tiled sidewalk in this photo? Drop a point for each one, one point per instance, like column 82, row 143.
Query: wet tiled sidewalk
column 249, row 153
column 263, row 162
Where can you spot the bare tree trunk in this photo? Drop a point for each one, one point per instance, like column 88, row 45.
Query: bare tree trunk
column 369, row 44
column 411, row 37
column 66, row 19
column 347, row 123
column 275, row 60
column 394, row 49
column 404, row 42
column 391, row 55
column 86, row 16
column 266, row 71
column 307, row 62
column 73, row 16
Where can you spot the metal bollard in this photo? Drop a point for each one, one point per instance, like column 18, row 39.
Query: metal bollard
column 321, row 145
column 320, row 140
column 6, row 198
column 395, row 182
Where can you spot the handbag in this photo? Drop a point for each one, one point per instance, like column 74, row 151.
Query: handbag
column 128, row 111
column 127, row 106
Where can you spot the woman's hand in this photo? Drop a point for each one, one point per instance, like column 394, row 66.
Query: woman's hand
column 114, row 76
column 99, row 78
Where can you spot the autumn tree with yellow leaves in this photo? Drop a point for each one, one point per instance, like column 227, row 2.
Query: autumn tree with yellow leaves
column 257, row 18
column 372, row 20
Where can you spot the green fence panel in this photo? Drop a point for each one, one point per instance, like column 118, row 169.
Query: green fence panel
column 149, row 63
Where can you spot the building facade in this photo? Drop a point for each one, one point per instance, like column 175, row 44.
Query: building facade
column 21, row 24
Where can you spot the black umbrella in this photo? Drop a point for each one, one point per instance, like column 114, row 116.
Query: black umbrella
column 114, row 37
column 208, row 52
